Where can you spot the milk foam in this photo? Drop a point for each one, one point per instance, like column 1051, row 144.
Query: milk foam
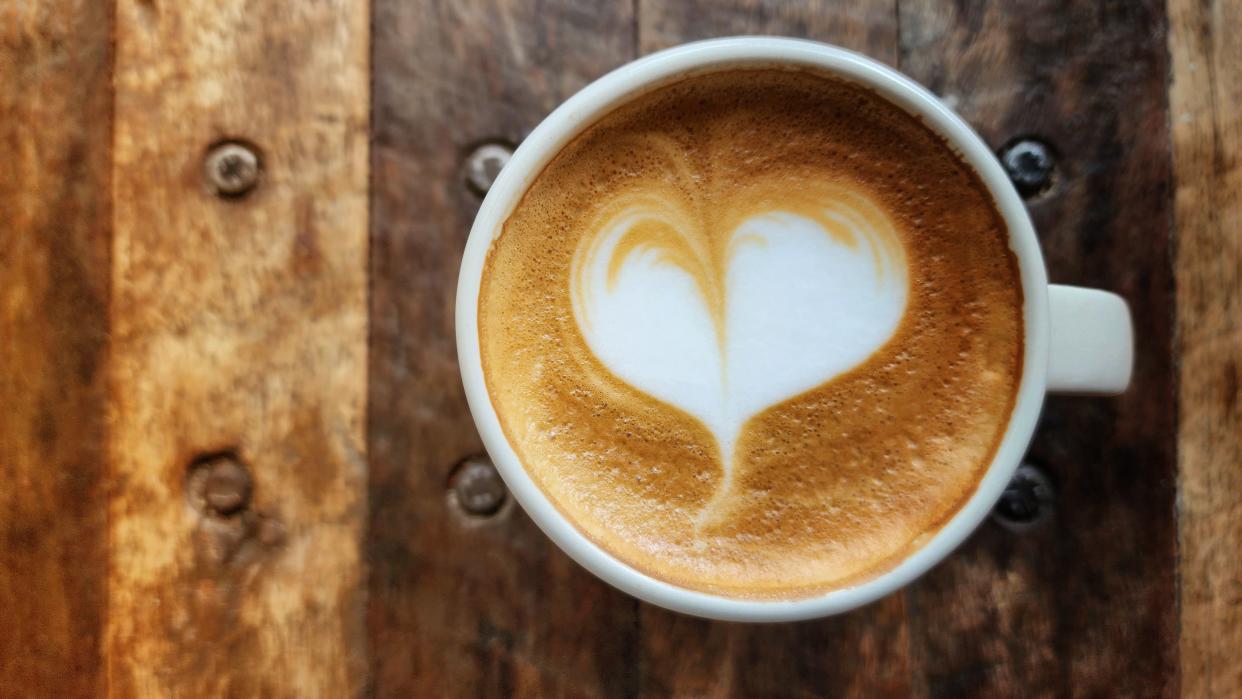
column 800, row 306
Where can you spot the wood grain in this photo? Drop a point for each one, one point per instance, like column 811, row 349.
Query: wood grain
column 866, row 26
column 1205, row 99
column 862, row 654
column 240, row 326
column 1084, row 605
column 461, row 606
column 55, row 134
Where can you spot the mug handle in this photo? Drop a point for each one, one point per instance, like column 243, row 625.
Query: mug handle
column 1091, row 351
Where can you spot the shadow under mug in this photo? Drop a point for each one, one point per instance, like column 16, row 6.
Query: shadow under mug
column 1077, row 341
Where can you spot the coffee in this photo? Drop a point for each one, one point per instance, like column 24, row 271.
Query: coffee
column 756, row 332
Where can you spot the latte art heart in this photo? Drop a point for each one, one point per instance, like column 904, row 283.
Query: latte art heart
column 723, row 313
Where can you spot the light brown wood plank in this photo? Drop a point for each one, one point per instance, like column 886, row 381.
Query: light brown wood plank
column 862, row 654
column 239, row 325
column 1205, row 102
column 462, row 605
column 55, row 141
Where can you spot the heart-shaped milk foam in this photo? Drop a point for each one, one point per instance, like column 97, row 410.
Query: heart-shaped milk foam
column 724, row 314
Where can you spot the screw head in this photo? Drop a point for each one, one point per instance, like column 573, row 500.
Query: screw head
column 484, row 164
column 228, row 486
column 1029, row 164
column 1027, row 500
column 477, row 487
column 232, row 169
column 219, row 484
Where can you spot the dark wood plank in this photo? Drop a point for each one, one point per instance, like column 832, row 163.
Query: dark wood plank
column 239, row 325
column 862, row 654
column 56, row 135
column 1205, row 99
column 463, row 606
column 1084, row 605
column 867, row 26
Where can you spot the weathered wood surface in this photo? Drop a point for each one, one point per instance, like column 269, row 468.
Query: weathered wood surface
column 1082, row 606
column 1205, row 106
column 55, row 142
column 459, row 606
column 239, row 326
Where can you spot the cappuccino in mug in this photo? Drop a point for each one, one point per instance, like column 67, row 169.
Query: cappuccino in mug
column 756, row 332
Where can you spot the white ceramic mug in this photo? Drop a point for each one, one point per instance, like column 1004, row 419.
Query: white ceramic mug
column 1077, row 340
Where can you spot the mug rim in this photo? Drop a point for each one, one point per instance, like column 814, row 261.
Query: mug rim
column 627, row 82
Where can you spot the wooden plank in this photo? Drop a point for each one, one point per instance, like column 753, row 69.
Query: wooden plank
column 865, row 653
column 1084, row 605
column 1205, row 98
column 866, row 26
column 239, row 328
column 464, row 606
column 56, row 135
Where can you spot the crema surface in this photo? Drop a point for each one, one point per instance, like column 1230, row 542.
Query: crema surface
column 757, row 332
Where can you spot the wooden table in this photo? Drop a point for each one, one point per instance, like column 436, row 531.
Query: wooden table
column 231, row 422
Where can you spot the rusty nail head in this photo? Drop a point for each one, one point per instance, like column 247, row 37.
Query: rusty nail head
column 484, row 164
column 478, row 487
column 228, row 485
column 1029, row 164
column 1027, row 500
column 232, row 169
